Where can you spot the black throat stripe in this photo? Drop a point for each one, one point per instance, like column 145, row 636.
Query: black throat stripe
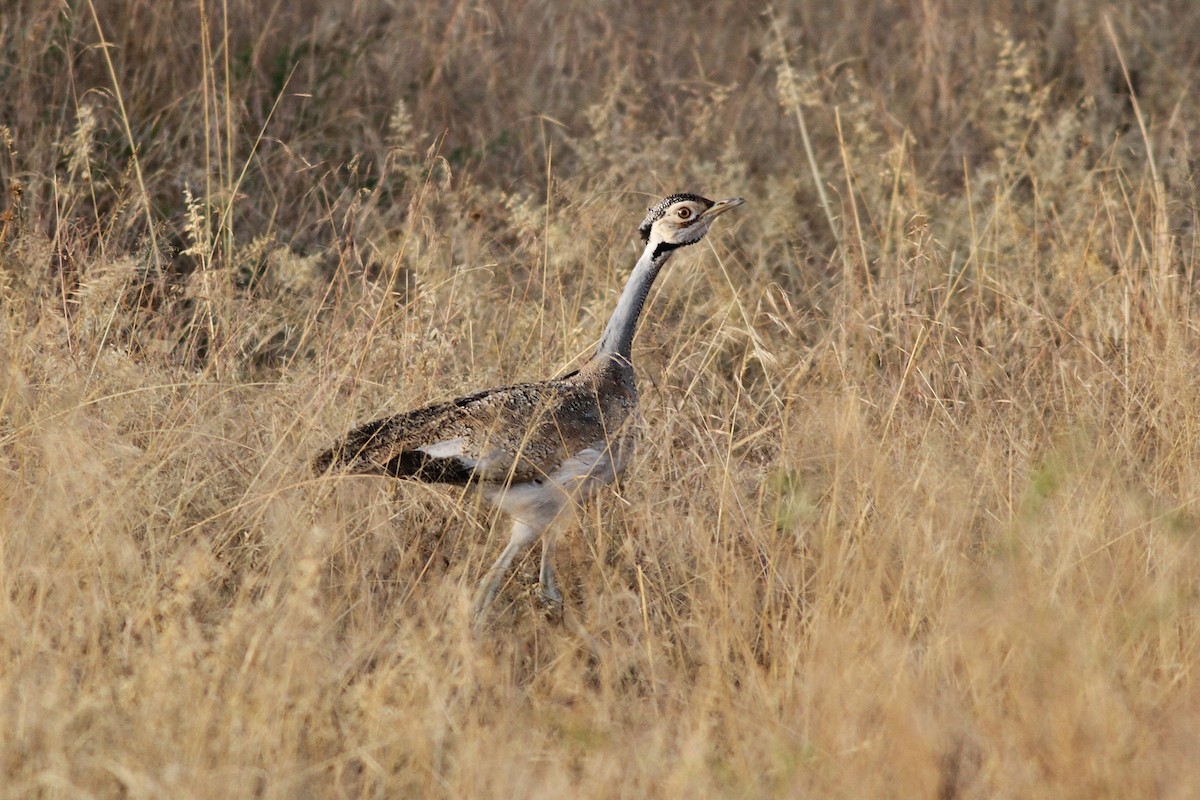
column 662, row 248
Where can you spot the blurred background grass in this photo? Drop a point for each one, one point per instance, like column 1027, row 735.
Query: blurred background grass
column 915, row 513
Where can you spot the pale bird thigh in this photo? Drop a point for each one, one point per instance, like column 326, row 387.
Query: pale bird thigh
column 572, row 483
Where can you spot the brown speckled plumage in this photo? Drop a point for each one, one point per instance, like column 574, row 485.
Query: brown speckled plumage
column 511, row 434
column 535, row 450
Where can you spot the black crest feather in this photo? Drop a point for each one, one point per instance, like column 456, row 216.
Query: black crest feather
column 654, row 213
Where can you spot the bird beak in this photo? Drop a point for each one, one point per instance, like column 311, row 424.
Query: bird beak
column 721, row 206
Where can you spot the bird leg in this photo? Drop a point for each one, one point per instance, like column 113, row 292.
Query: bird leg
column 522, row 537
column 551, row 596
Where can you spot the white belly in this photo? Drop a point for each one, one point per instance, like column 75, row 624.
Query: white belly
column 573, row 482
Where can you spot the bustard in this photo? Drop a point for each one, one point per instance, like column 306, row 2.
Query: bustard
column 535, row 449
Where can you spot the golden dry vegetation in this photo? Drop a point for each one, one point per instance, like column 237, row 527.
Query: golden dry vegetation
column 915, row 509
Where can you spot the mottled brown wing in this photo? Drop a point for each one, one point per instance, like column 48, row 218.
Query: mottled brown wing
column 514, row 433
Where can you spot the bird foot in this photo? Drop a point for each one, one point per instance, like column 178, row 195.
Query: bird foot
column 551, row 600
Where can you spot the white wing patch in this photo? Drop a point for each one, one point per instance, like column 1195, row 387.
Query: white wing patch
column 445, row 448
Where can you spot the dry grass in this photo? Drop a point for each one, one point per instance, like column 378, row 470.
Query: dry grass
column 915, row 513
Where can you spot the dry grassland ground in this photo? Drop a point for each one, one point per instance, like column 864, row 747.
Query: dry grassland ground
column 915, row 512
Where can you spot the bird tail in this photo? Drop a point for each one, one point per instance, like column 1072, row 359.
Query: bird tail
column 359, row 452
column 327, row 460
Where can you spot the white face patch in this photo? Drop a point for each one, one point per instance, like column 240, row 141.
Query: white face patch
column 681, row 224
column 670, row 205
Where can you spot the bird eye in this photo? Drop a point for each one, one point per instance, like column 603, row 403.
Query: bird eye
column 684, row 213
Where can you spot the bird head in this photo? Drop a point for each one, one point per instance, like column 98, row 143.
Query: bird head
column 681, row 219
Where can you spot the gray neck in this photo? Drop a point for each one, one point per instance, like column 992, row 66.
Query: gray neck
column 618, row 334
